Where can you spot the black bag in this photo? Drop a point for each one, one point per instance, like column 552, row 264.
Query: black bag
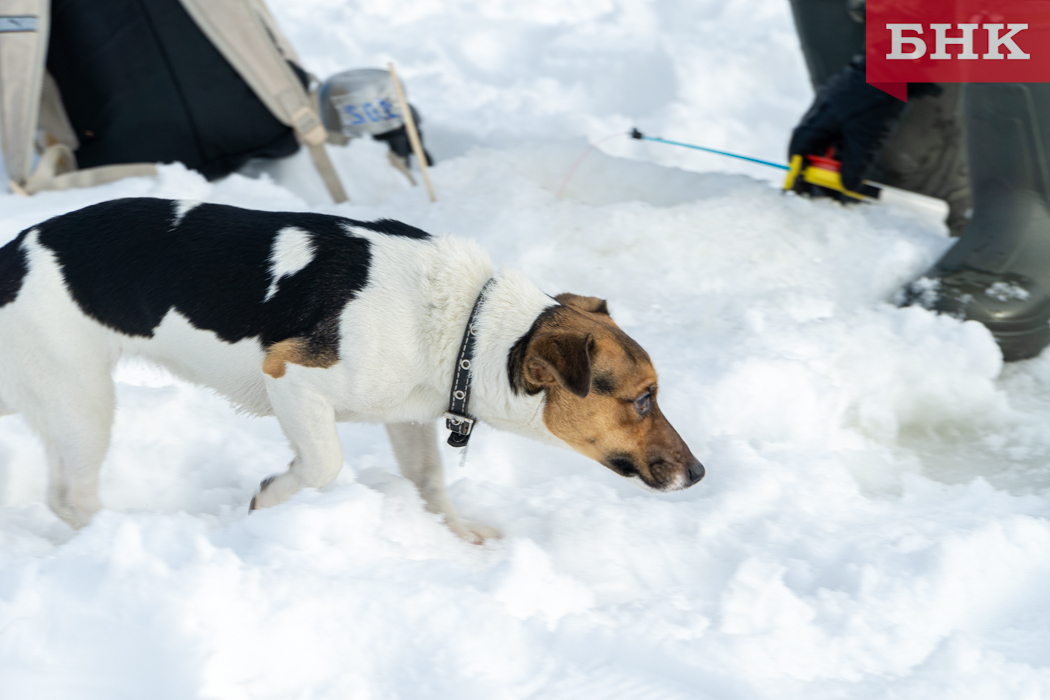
column 142, row 84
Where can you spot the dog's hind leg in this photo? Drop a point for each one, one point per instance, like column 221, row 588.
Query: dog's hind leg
column 415, row 447
column 73, row 414
column 308, row 421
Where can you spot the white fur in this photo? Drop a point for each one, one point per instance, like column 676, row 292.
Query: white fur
column 399, row 342
column 182, row 208
column 292, row 251
column 55, row 366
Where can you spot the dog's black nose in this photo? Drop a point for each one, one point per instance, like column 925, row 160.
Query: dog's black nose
column 696, row 472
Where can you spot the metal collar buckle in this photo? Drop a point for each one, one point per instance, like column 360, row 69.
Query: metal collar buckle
column 459, row 424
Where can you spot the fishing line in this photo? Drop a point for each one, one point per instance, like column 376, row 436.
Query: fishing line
column 572, row 170
column 634, row 133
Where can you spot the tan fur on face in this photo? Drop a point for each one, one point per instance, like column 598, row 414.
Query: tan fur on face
column 601, row 421
column 298, row 352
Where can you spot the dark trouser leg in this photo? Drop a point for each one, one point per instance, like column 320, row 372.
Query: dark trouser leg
column 830, row 38
column 926, row 152
column 999, row 271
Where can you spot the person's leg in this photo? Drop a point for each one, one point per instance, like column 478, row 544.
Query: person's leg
column 829, row 35
column 999, row 271
column 926, row 152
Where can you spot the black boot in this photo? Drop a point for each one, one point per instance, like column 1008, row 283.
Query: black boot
column 999, row 271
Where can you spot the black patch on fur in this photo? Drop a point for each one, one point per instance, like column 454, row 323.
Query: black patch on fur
column 516, row 356
column 622, row 465
column 127, row 267
column 395, row 228
column 13, row 268
column 604, row 383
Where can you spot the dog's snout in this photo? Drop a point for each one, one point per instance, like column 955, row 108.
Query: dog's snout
column 696, row 472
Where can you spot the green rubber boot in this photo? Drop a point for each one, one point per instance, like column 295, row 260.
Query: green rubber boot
column 999, row 271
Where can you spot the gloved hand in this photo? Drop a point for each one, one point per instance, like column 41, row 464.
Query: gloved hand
column 853, row 118
column 398, row 141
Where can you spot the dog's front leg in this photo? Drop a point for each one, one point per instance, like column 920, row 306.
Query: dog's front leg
column 308, row 421
column 415, row 447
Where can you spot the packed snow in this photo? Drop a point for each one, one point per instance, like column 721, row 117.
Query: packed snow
column 875, row 520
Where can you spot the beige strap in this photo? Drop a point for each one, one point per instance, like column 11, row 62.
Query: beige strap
column 413, row 134
column 53, row 118
column 327, row 172
column 57, row 159
column 57, row 171
column 88, row 176
column 22, row 57
column 283, row 45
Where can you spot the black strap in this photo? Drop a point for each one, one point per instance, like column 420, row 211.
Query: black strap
column 457, row 418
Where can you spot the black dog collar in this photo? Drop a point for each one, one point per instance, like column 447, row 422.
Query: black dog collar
column 457, row 419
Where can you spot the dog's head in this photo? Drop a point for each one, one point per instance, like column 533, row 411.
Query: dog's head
column 601, row 393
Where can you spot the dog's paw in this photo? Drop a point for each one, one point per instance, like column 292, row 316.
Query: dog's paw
column 266, row 496
column 475, row 533
column 74, row 516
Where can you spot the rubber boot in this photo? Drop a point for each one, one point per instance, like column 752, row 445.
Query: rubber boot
column 927, row 151
column 999, row 271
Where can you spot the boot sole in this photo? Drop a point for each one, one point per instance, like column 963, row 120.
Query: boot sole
column 1022, row 345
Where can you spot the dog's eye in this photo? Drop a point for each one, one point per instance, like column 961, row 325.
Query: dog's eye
column 644, row 403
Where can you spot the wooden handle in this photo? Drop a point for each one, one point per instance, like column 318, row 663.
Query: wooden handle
column 413, row 134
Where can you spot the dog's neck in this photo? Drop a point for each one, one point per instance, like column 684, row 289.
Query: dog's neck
column 511, row 305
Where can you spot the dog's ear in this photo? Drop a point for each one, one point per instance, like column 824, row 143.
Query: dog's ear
column 561, row 358
column 592, row 305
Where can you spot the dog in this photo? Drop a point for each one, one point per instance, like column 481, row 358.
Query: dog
column 314, row 319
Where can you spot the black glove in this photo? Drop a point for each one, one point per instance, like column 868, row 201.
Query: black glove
column 853, row 118
column 398, row 141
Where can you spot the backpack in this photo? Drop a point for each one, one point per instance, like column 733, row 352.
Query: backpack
column 223, row 82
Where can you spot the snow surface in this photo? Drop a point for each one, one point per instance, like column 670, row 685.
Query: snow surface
column 875, row 522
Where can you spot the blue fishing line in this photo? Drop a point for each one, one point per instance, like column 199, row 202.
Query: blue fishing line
column 639, row 135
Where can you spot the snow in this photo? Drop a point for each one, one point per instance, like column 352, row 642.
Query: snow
column 875, row 520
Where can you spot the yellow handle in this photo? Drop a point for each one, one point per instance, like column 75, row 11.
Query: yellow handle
column 829, row 179
column 816, row 176
column 794, row 168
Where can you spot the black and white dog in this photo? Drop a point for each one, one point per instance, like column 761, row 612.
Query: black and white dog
column 313, row 319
